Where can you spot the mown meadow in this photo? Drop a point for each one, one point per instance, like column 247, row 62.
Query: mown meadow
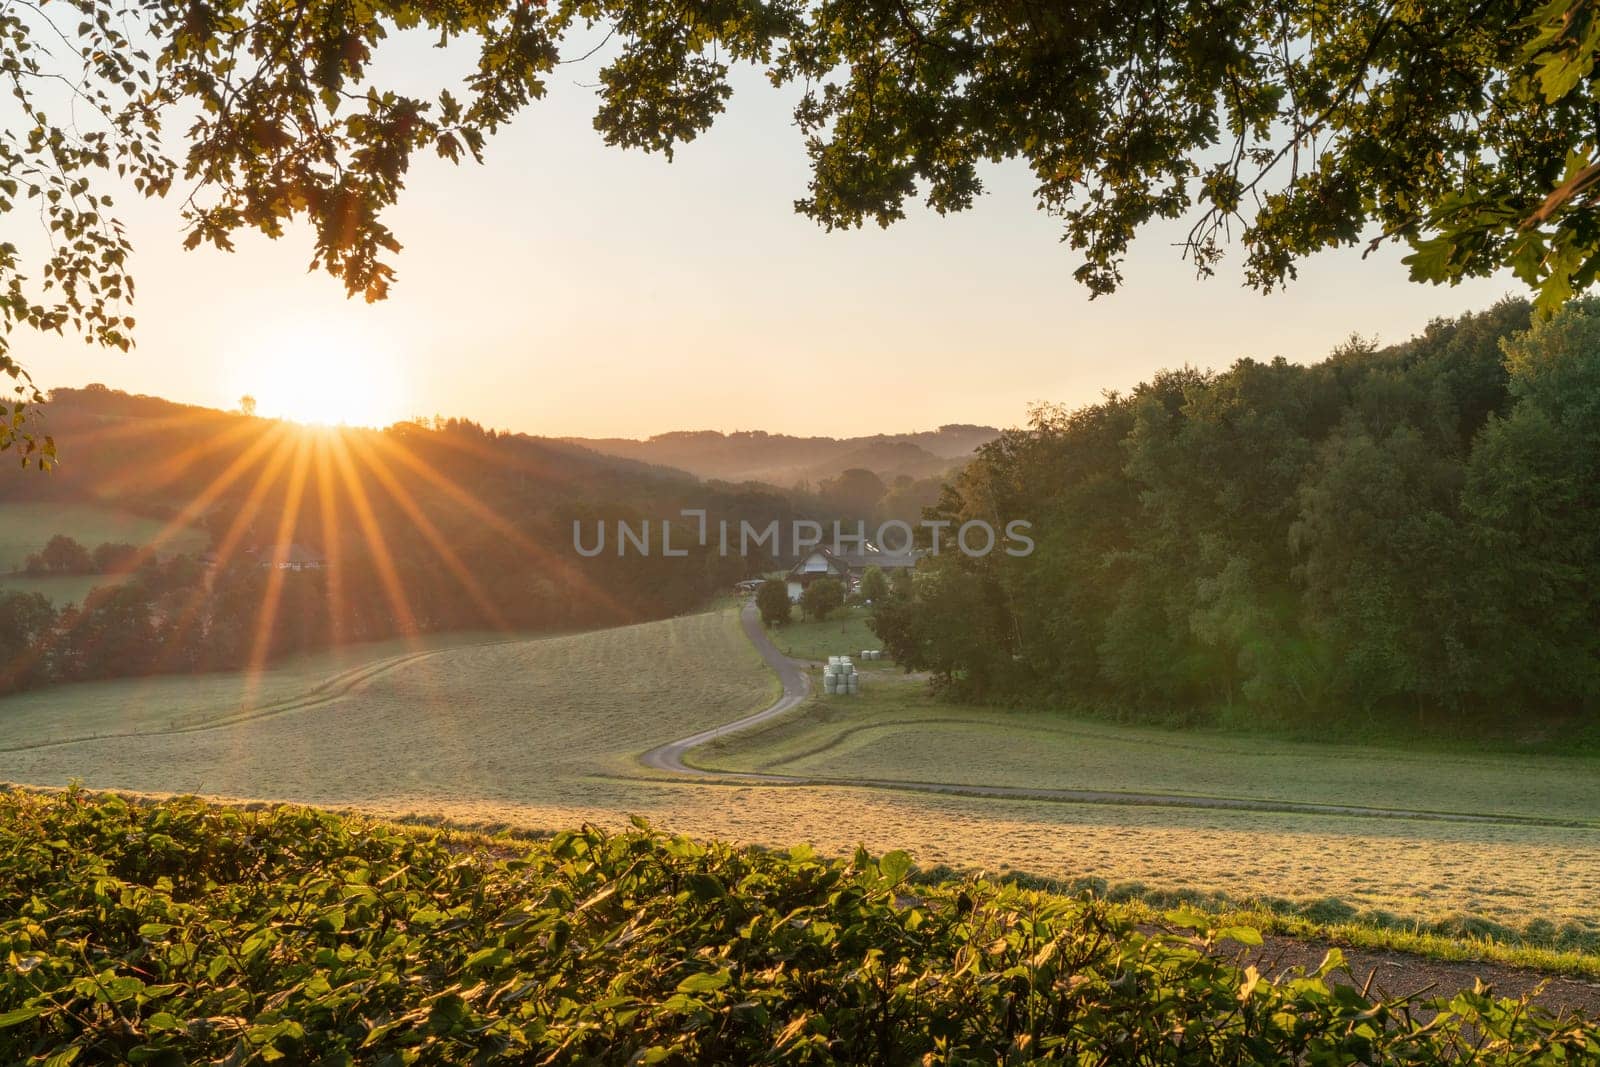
column 544, row 732
column 896, row 730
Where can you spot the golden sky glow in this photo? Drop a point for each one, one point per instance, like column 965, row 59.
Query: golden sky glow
column 568, row 288
column 328, row 371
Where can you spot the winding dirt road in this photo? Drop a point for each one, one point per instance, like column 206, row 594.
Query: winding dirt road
column 797, row 687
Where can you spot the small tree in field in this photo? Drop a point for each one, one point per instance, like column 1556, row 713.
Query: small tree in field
column 822, row 597
column 63, row 555
column 874, row 586
column 772, row 600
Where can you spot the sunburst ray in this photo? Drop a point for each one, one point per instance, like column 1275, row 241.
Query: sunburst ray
column 430, row 533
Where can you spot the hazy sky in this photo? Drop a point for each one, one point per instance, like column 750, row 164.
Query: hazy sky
column 569, row 288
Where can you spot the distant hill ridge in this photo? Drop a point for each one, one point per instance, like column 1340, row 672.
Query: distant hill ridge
column 782, row 459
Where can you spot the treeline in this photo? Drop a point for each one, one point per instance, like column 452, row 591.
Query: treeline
column 861, row 495
column 64, row 555
column 1407, row 536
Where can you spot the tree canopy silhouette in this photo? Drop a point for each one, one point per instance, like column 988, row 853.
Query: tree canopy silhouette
column 1469, row 131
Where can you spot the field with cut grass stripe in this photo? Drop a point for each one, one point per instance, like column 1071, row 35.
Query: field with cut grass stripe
column 545, row 732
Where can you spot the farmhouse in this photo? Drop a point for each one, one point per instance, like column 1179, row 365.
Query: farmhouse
column 845, row 567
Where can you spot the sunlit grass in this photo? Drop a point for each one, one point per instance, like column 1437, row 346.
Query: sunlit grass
column 181, row 702
column 482, row 728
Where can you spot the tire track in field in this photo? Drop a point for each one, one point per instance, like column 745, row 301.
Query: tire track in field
column 797, row 686
column 329, row 690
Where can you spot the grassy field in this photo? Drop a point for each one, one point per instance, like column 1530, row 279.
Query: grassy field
column 178, row 703
column 27, row 526
column 896, row 730
column 486, row 732
column 540, row 733
column 60, row 590
column 844, row 633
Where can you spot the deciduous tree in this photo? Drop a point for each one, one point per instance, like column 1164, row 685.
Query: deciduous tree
column 772, row 600
column 821, row 598
column 874, row 586
column 63, row 555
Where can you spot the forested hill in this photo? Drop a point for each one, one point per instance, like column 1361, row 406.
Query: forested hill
column 158, row 453
column 418, row 528
column 1407, row 536
column 780, row 459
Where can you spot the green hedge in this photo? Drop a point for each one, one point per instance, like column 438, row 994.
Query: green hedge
column 181, row 933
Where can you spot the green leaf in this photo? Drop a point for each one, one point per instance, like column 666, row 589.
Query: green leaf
column 706, row 982
column 1188, row 919
column 20, row 1015
column 487, row 959
column 706, row 886
column 895, row 866
column 1244, row 935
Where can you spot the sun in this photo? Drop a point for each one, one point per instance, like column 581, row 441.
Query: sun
column 324, row 374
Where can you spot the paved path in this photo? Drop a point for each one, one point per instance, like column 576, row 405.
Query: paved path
column 797, row 686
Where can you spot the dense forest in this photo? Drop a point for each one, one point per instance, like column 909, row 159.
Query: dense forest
column 1405, row 537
